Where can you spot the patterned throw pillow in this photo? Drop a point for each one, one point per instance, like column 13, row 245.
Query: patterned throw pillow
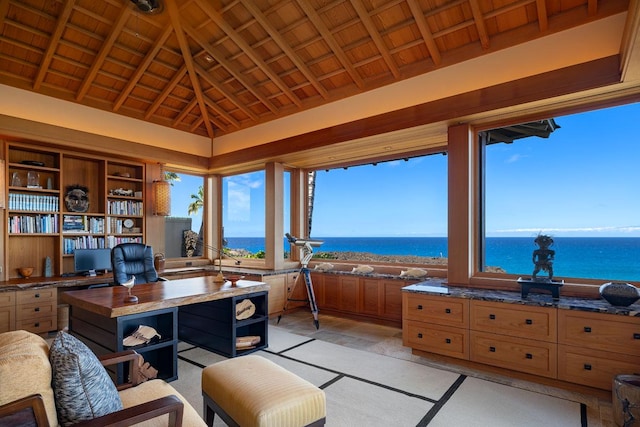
column 82, row 387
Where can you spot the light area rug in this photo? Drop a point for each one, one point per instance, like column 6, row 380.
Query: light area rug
column 369, row 389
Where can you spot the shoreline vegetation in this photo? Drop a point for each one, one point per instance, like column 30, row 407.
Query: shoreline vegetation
column 360, row 257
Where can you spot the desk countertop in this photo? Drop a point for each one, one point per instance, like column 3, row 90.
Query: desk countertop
column 109, row 302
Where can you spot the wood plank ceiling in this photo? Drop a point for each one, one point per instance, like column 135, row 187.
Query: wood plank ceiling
column 214, row 67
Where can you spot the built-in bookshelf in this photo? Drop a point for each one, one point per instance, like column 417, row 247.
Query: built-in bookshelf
column 45, row 219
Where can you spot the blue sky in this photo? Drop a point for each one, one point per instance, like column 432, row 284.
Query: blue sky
column 181, row 198
column 582, row 181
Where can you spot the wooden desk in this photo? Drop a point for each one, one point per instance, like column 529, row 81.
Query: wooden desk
column 101, row 318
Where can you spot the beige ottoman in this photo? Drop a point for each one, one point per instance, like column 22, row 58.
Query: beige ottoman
column 252, row 391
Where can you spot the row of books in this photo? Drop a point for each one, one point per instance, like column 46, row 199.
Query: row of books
column 33, row 202
column 82, row 242
column 92, row 242
column 47, row 224
column 82, row 224
column 124, row 207
column 116, row 240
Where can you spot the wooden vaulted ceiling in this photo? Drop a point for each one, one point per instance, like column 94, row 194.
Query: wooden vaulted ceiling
column 215, row 67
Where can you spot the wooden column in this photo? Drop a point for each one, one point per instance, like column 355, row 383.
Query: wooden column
column 462, row 141
column 274, row 217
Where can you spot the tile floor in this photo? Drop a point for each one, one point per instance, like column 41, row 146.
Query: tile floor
column 387, row 340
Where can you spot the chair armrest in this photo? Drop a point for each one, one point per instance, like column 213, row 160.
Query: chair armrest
column 145, row 411
column 27, row 411
column 130, row 356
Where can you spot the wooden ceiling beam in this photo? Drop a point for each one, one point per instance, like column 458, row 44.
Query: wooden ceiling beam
column 168, row 88
column 483, row 34
column 248, row 51
column 543, row 19
column 284, row 46
column 174, row 15
column 102, row 54
column 331, row 42
column 185, row 112
column 425, row 32
column 214, row 106
column 53, row 43
column 220, row 88
column 224, row 63
column 364, row 16
column 142, row 68
column 237, row 74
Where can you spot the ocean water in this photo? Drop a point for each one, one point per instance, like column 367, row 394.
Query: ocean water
column 607, row 258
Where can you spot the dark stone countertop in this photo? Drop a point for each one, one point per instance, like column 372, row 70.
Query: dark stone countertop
column 533, row 299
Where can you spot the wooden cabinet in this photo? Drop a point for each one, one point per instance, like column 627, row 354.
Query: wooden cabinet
column 7, row 311
column 517, row 337
column 37, row 310
column 43, row 220
column 213, row 324
column 373, row 297
column 578, row 347
column 436, row 324
column 277, row 292
column 539, row 323
column 595, row 347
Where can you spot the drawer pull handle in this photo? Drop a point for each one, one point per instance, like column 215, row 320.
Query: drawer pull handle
column 419, row 306
column 37, row 324
column 419, row 335
column 636, row 336
column 529, row 322
column 529, row 356
column 448, row 340
column 587, row 367
column 447, row 310
column 36, row 309
column 492, row 349
column 492, row 316
column 36, row 296
column 587, row 329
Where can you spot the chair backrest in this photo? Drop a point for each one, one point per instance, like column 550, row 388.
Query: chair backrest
column 133, row 259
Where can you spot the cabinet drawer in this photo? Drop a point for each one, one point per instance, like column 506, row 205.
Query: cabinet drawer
column 538, row 323
column 445, row 340
column 38, row 326
column 37, row 295
column 7, row 319
column 594, row 368
column 600, row 331
column 518, row 354
column 7, row 299
column 439, row 310
column 37, row 310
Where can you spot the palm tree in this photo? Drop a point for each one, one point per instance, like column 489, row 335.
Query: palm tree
column 197, row 204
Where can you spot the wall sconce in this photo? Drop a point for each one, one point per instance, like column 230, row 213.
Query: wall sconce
column 161, row 195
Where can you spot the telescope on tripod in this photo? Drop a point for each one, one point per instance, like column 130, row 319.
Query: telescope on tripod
column 306, row 245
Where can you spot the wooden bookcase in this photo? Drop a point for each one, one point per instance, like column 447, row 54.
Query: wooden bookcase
column 39, row 224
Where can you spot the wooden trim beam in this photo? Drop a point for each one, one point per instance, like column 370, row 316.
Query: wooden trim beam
column 548, row 85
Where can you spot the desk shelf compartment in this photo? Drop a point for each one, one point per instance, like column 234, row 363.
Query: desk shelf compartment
column 104, row 335
column 212, row 325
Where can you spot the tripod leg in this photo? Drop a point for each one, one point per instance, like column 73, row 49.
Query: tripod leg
column 288, row 299
column 312, row 297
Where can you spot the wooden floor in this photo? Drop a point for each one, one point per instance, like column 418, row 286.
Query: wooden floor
column 387, row 340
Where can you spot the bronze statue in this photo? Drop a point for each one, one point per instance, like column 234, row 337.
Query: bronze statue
column 543, row 257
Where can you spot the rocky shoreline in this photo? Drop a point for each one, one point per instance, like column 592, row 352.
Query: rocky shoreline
column 369, row 257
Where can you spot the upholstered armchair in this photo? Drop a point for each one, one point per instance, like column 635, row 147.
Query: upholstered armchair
column 68, row 385
column 133, row 260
